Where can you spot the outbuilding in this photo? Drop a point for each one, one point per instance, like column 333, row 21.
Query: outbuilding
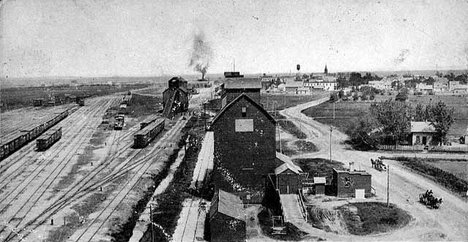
column 227, row 218
column 319, row 185
column 348, row 183
column 288, row 176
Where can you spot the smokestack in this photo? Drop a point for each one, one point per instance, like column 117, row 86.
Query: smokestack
column 201, row 54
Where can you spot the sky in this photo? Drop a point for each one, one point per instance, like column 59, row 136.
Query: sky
column 50, row 38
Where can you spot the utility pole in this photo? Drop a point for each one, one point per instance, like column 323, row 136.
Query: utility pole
column 333, row 110
column 331, row 130
column 388, row 185
column 279, row 133
column 151, row 222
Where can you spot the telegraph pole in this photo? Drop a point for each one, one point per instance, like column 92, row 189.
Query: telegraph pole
column 331, row 130
column 388, row 185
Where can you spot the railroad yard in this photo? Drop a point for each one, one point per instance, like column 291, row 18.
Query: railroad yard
column 83, row 186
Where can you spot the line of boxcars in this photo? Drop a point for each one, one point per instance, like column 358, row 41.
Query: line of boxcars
column 144, row 136
column 149, row 120
column 17, row 139
column 48, row 138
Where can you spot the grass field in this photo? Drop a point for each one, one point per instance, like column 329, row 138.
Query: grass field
column 280, row 102
column 347, row 110
column 18, row 97
column 447, row 173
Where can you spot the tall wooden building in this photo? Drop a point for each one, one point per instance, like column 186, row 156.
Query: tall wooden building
column 245, row 148
column 175, row 97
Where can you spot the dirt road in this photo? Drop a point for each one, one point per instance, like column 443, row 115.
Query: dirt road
column 450, row 222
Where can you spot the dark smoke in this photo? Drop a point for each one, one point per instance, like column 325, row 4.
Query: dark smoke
column 201, row 54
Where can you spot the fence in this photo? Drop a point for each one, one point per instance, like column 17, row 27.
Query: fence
column 461, row 149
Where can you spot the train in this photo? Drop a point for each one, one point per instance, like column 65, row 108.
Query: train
column 16, row 140
column 49, row 138
column 150, row 119
column 143, row 137
column 80, row 101
column 119, row 122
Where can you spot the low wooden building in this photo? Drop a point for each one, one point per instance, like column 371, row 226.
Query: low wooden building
column 227, row 218
column 348, row 183
column 319, row 185
column 288, row 176
column 422, row 133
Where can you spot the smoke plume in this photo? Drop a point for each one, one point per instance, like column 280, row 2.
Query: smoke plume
column 201, row 54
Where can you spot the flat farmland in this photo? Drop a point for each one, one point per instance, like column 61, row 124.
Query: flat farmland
column 457, row 168
column 281, row 101
column 347, row 110
column 18, row 97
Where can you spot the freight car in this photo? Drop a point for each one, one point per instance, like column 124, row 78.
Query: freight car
column 47, row 139
column 143, row 137
column 150, row 119
column 80, row 101
column 15, row 140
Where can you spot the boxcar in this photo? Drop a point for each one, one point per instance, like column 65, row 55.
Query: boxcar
column 47, row 139
column 148, row 121
column 143, row 137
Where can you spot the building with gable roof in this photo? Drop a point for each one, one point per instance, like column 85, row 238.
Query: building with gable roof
column 227, row 217
column 288, row 176
column 244, row 148
column 233, row 87
column 422, row 133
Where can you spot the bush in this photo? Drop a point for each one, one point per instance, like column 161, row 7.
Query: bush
column 440, row 176
column 374, row 217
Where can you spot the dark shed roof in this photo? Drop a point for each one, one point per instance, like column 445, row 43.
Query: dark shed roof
column 227, row 204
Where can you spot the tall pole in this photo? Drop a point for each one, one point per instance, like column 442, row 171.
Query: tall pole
column 279, row 133
column 331, row 130
column 388, row 185
column 151, row 222
column 333, row 110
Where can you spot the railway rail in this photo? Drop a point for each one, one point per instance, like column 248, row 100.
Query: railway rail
column 88, row 184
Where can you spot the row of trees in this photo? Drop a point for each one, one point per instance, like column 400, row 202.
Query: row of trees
column 389, row 123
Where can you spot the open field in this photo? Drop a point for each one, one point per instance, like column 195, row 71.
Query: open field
column 278, row 102
column 347, row 110
column 457, row 168
column 17, row 97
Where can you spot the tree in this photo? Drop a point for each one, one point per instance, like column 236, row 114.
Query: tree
column 360, row 131
column 394, row 119
column 441, row 117
column 420, row 113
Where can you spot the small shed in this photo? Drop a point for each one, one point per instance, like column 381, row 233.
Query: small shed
column 288, row 176
column 422, row 133
column 227, row 218
column 346, row 182
column 319, row 185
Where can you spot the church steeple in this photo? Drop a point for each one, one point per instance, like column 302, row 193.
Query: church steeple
column 326, row 70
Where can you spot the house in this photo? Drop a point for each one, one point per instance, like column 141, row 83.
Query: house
column 227, row 218
column 293, row 86
column 440, row 85
column 422, row 133
column 233, row 87
column 424, row 88
column 175, row 97
column 288, row 176
column 244, row 147
column 348, row 183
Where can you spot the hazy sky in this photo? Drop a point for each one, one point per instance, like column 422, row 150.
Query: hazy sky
column 151, row 37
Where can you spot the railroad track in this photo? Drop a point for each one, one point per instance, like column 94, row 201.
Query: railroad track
column 88, row 184
column 32, row 156
column 38, row 193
